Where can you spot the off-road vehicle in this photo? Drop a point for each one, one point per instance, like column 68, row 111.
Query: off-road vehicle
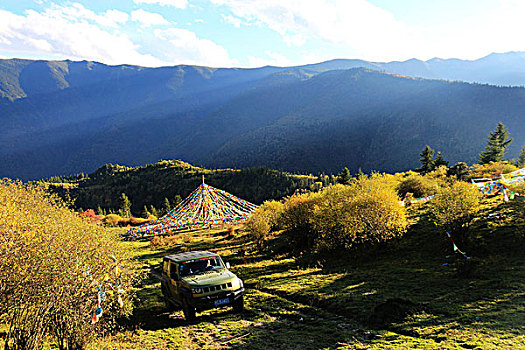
column 198, row 281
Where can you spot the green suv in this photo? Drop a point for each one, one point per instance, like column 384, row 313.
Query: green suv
column 198, row 281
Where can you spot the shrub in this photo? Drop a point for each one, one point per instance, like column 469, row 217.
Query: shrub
column 455, row 206
column 344, row 217
column 296, row 220
column 230, row 230
column 460, row 171
column 90, row 215
column 133, row 221
column 264, row 220
column 258, row 227
column 56, row 270
column 112, row 219
column 364, row 213
column 272, row 210
column 419, row 186
column 490, row 170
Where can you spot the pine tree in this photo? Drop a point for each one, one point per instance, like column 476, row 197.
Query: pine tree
column 496, row 145
column 439, row 161
column 145, row 212
column 167, row 206
column 153, row 211
column 521, row 158
column 125, row 206
column 344, row 177
column 427, row 160
column 100, row 211
column 176, row 200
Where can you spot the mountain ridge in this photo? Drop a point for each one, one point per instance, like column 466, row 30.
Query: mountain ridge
column 90, row 114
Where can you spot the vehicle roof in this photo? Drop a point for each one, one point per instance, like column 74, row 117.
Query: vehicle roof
column 180, row 257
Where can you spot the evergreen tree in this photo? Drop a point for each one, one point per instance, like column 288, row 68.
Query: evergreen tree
column 427, row 160
column 100, row 211
column 439, row 161
column 176, row 200
column 460, row 170
column 145, row 212
column 167, row 206
column 344, row 177
column 521, row 158
column 153, row 211
column 125, row 206
column 496, row 146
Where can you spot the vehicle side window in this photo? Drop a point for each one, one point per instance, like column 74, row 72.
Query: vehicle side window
column 165, row 267
column 173, row 271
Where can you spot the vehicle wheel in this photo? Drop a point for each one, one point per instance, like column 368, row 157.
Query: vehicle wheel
column 238, row 305
column 188, row 310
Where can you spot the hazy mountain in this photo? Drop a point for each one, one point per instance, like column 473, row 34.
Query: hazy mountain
column 66, row 117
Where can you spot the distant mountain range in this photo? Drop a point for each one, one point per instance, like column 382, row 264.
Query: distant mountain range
column 64, row 117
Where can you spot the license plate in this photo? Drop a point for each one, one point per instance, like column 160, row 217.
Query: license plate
column 222, row 301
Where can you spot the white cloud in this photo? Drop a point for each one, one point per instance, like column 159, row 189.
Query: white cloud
column 57, row 33
column 272, row 59
column 352, row 23
column 147, row 19
column 76, row 11
column 181, row 4
column 116, row 16
column 496, row 30
column 186, row 48
column 363, row 30
column 236, row 22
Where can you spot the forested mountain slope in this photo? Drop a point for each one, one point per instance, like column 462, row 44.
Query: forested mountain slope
column 63, row 117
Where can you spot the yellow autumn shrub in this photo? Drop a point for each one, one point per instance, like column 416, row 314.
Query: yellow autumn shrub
column 57, row 270
column 264, row 220
column 455, row 206
column 364, row 213
column 344, row 217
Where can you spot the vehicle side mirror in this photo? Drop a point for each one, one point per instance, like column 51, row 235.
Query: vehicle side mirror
column 227, row 265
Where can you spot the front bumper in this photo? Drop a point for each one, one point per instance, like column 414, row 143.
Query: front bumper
column 208, row 301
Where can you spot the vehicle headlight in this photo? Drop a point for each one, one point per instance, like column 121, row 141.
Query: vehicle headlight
column 237, row 283
column 196, row 290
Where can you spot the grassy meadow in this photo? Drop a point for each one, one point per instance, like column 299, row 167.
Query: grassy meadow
column 398, row 296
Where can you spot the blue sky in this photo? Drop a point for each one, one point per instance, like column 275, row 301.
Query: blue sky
column 252, row 33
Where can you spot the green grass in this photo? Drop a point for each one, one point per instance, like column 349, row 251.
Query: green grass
column 291, row 306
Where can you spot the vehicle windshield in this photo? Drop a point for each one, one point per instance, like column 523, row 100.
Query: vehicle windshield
column 200, row 265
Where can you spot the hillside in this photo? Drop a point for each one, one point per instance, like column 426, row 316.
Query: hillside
column 345, row 303
column 151, row 184
column 63, row 117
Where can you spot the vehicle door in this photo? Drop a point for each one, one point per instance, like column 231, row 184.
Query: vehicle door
column 174, row 281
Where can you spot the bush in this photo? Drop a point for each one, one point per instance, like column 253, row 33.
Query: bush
column 490, row 170
column 90, row 215
column 455, row 206
column 264, row 220
column 364, row 213
column 112, row 220
column 56, row 270
column 420, row 186
column 344, row 217
column 258, row 227
column 296, row 220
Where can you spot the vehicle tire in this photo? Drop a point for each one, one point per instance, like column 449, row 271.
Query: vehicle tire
column 190, row 314
column 238, row 305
